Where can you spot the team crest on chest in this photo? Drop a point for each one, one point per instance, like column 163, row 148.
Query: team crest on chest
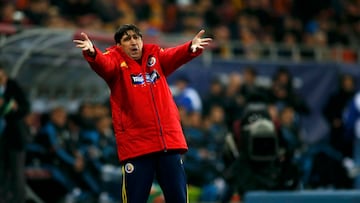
column 151, row 61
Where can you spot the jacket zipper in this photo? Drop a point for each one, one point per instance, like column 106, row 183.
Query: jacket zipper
column 158, row 117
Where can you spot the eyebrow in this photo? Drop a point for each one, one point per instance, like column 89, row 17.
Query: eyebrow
column 127, row 35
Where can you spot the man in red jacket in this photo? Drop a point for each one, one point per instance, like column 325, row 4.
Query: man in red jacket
column 146, row 120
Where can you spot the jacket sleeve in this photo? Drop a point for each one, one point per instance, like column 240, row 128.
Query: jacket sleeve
column 103, row 63
column 174, row 57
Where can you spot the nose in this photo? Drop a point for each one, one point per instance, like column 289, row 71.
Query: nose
column 133, row 41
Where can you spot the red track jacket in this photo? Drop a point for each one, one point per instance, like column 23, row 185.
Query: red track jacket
column 145, row 116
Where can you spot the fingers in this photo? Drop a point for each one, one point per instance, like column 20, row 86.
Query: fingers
column 85, row 36
column 77, row 41
column 80, row 43
column 203, row 42
column 85, row 44
column 206, row 40
column 199, row 34
column 83, row 47
column 200, row 43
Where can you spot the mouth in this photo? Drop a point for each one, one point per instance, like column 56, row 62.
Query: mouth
column 134, row 49
column 134, row 52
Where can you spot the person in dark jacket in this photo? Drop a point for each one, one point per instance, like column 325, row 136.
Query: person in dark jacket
column 14, row 107
column 146, row 120
column 333, row 113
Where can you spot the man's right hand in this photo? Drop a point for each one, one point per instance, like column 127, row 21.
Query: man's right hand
column 85, row 44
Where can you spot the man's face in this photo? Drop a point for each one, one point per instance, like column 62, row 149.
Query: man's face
column 132, row 44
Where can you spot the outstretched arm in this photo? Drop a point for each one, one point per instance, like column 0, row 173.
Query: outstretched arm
column 102, row 63
column 173, row 58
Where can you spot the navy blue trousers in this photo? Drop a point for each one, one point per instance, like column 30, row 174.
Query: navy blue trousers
column 139, row 174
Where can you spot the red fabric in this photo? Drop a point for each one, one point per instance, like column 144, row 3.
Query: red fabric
column 145, row 117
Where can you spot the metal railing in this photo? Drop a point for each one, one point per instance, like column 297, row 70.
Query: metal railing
column 232, row 50
column 47, row 62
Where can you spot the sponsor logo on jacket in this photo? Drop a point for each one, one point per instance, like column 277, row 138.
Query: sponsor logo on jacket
column 138, row 79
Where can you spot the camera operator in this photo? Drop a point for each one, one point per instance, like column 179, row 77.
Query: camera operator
column 256, row 155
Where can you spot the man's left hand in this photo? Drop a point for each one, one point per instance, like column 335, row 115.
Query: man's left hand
column 198, row 42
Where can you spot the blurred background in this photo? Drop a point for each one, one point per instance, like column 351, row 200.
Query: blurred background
column 291, row 64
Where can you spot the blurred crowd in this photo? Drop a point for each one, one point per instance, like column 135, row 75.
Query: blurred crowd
column 73, row 154
column 252, row 23
column 77, row 152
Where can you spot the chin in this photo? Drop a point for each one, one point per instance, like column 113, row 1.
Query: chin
column 136, row 57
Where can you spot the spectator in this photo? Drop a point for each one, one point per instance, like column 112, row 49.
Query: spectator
column 98, row 147
column 290, row 132
column 253, row 23
column 215, row 96
column 223, row 46
column 215, row 129
column 37, row 11
column 284, row 78
column 64, row 155
column 352, row 132
column 282, row 93
column 10, row 15
column 186, row 96
column 196, row 160
column 14, row 107
column 249, row 85
column 234, row 102
column 333, row 110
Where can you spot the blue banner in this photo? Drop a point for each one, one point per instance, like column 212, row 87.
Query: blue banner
column 314, row 82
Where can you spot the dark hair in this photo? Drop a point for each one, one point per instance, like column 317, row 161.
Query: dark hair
column 122, row 30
